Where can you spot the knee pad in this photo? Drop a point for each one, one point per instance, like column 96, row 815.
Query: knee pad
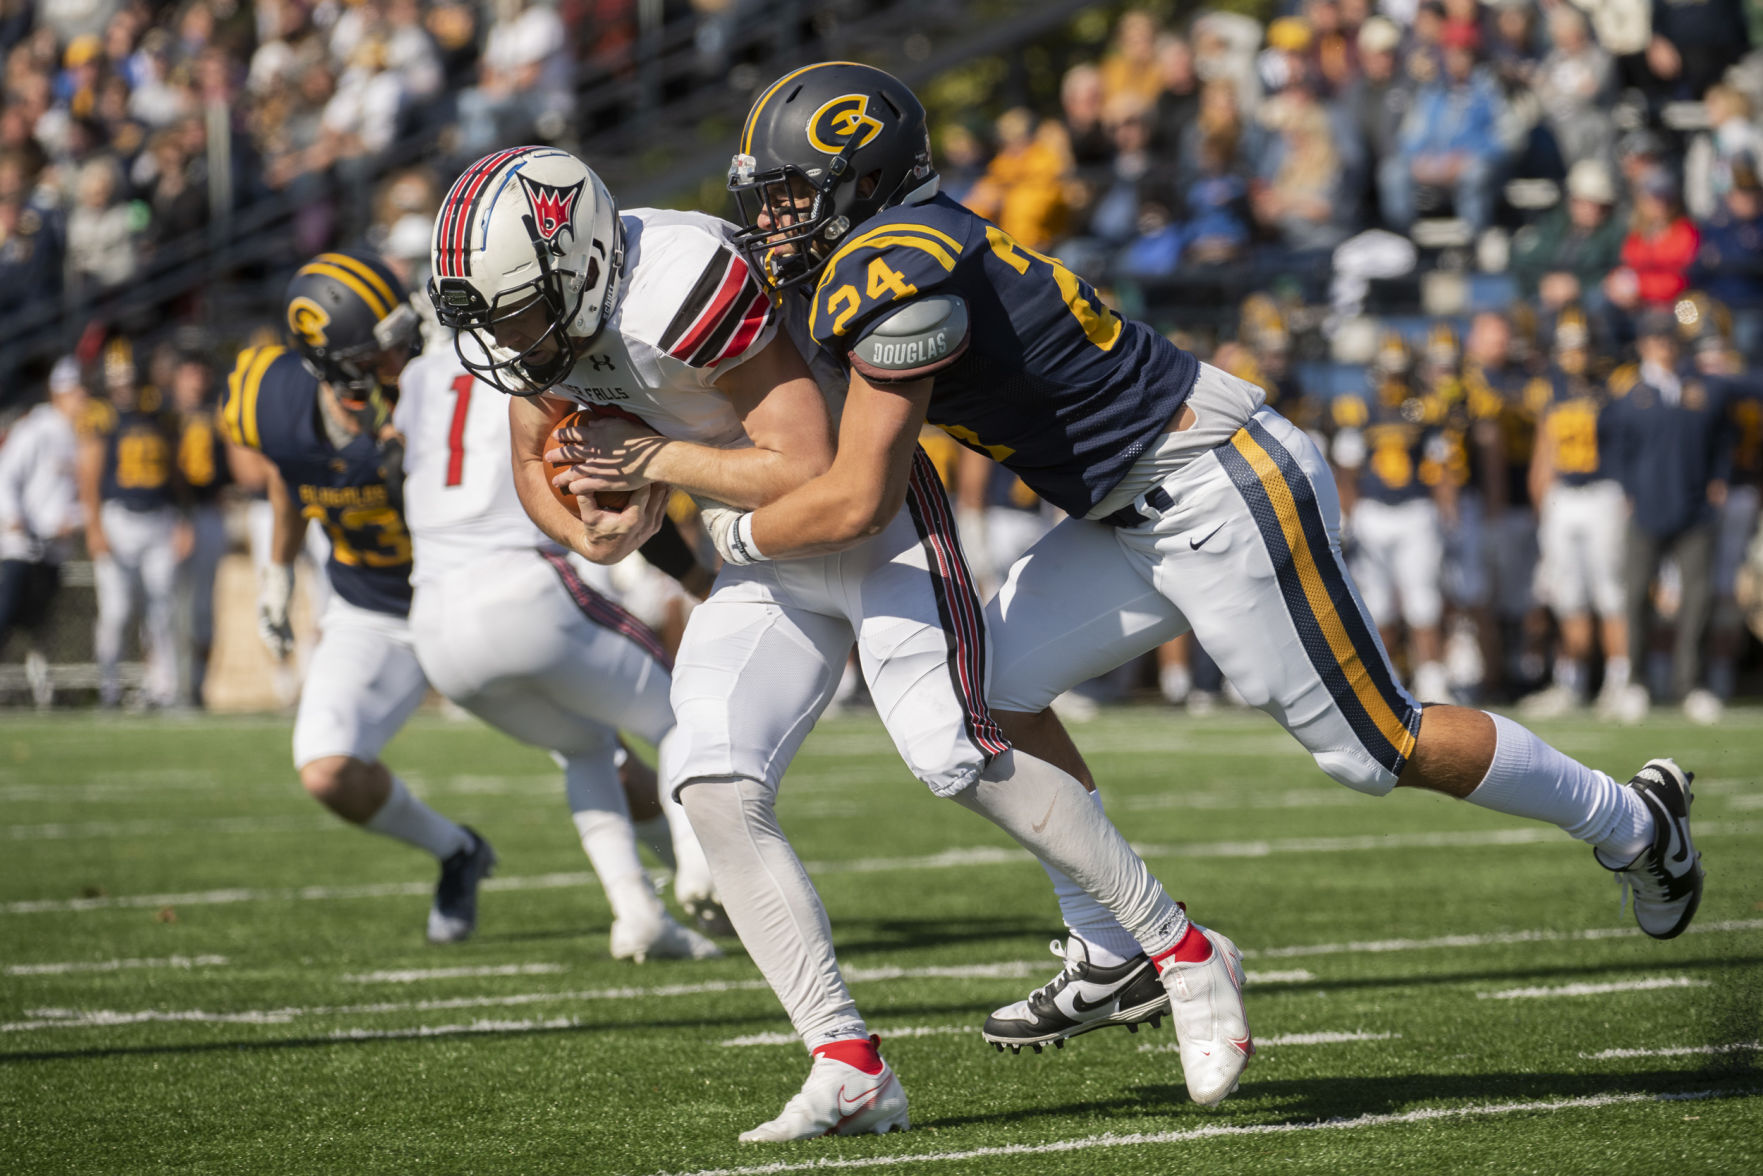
column 1356, row 770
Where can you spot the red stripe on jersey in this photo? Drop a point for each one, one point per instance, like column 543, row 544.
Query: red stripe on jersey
column 733, row 279
column 465, row 189
column 752, row 322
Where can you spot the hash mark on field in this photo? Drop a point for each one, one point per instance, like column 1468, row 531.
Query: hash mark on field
column 898, row 1031
column 1291, row 1039
column 1141, row 1139
column 176, row 961
column 1595, row 989
column 1493, row 939
column 413, row 975
column 1674, row 1051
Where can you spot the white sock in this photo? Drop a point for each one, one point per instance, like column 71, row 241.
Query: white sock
column 1615, row 673
column 1109, row 943
column 1051, row 815
column 409, row 820
column 658, row 836
column 1570, row 673
column 1528, row 778
column 602, row 821
column 1175, row 682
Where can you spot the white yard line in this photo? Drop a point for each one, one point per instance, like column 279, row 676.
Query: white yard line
column 1292, row 1039
column 896, row 1031
column 416, row 975
column 1150, row 1138
column 1595, row 989
column 1674, row 1051
column 62, row 969
column 85, row 830
column 1378, row 946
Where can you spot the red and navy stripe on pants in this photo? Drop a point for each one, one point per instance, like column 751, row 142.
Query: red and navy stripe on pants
column 958, row 603
column 604, row 612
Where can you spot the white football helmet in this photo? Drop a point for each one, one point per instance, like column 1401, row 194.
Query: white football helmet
column 528, row 255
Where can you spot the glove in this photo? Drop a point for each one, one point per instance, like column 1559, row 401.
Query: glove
column 719, row 521
column 273, row 596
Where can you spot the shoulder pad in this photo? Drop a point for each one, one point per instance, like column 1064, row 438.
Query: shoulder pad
column 1624, row 378
column 922, row 337
column 238, row 411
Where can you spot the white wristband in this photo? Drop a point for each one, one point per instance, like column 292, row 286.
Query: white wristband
column 740, row 541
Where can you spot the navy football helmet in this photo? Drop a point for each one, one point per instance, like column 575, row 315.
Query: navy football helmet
column 825, row 148
column 343, row 312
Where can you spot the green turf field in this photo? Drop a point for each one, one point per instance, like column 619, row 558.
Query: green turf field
column 204, row 973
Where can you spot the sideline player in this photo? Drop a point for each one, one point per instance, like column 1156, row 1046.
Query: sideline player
column 1192, row 505
column 506, row 627
column 317, row 415
column 135, row 532
column 551, row 291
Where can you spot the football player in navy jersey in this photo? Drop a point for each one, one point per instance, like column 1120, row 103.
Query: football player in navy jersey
column 318, row 414
column 1192, row 505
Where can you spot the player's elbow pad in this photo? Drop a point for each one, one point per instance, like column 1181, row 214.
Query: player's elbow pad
column 918, row 340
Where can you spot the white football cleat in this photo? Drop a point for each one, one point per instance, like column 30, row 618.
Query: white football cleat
column 838, row 1099
column 663, row 938
column 1206, row 1004
column 1665, row 878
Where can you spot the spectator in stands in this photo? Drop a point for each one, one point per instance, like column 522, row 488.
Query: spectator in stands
column 1179, row 99
column 1730, row 265
column 39, row 511
column 179, row 205
column 1449, row 142
column 1024, row 187
column 1333, row 58
column 1691, row 46
column 1081, row 105
column 30, row 237
column 1563, row 258
column 1379, row 100
column 1672, row 452
column 102, row 251
column 1220, row 118
column 1299, row 195
column 1574, row 83
column 1660, row 247
column 525, row 80
column 1129, row 69
column 1732, row 135
column 1224, row 50
column 1216, row 205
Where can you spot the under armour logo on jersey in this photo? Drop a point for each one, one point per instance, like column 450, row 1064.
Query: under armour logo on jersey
column 839, row 121
column 553, row 207
column 602, row 363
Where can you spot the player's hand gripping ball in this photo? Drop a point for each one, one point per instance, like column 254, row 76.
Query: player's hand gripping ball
column 604, row 499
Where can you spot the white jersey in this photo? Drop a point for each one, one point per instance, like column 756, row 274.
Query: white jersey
column 459, row 497
column 692, row 309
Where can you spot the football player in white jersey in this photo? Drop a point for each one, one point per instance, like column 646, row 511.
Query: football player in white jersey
column 507, row 627
column 560, row 301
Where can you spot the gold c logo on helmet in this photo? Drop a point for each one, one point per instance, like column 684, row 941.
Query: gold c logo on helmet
column 839, row 121
column 308, row 320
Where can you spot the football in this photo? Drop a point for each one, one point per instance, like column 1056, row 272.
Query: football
column 606, row 499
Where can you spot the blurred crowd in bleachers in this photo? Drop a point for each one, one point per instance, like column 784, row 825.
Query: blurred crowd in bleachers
column 1435, row 232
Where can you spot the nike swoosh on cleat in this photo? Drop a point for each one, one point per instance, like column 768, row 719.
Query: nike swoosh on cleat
column 851, row 1106
column 1245, row 1046
column 1042, row 823
column 1196, row 544
column 1089, row 1006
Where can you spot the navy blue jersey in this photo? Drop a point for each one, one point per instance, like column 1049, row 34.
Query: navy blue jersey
column 272, row 406
column 1052, row 384
column 139, row 448
column 1408, row 451
column 201, row 460
column 1573, row 422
